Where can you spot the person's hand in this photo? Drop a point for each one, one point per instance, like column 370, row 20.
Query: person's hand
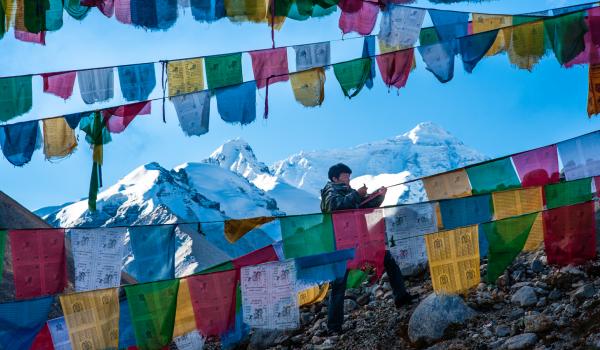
column 362, row 191
column 382, row 191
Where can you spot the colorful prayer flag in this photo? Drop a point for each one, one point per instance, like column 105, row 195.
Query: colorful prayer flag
column 312, row 56
column 506, row 240
column 59, row 84
column 185, row 321
column 153, row 307
column 236, row 229
column 223, row 70
column 97, row 255
column 15, row 97
column 570, row 234
column 75, row 9
column 400, row 25
column 92, row 319
column 126, row 332
column 361, row 21
column 213, row 299
column 484, row 23
column 369, row 52
column 568, row 193
column 454, row 260
column 185, row 76
column 537, row 167
column 96, row 85
column 237, row 103
column 59, row 333
column 193, row 112
column 21, row 321
column 269, row 298
column 123, row 11
column 517, row 202
column 453, row 184
column 19, row 140
column 581, row 156
column 320, row 268
column 466, row 211
column 312, row 295
column 307, row 235
column 117, row 119
column 59, row 138
column 38, row 258
column 269, row 66
column 309, row 87
column 565, row 35
column 137, row 81
column 189, row 341
column 525, row 42
column 153, row 249
column 593, row 106
column 473, row 47
column 497, row 175
column 207, row 11
column 439, row 59
column 43, row 340
column 352, row 75
column 259, row 256
column 3, row 235
column 395, row 67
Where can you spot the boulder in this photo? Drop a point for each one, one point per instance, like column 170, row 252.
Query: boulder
column 525, row 296
column 521, row 341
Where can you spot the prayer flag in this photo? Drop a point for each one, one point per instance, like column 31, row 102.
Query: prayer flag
column 185, row 321
column 193, row 112
column 517, row 202
column 570, row 234
column 454, row 260
column 312, row 56
column 208, row 10
column 320, row 268
column 75, row 9
column 400, row 25
column 153, row 249
column 15, row 97
column 59, row 138
column 153, row 14
column 38, row 258
column 137, row 81
column 307, row 235
column 185, row 76
column 565, row 34
column 593, row 106
column 60, row 334
column 237, row 103
column 395, row 67
column 74, row 119
column 92, row 319
column 309, row 87
column 474, row 47
column 356, row 278
column 3, row 235
column 450, row 25
column 126, row 333
column 96, row 85
column 369, row 52
column 256, row 257
column 253, row 240
column 568, row 193
column 428, row 36
column 269, row 298
column 439, row 59
column 21, row 321
column 581, row 156
column 361, row 21
column 213, row 299
column 537, row 167
column 484, row 23
column 235, row 229
column 352, row 75
column 18, row 141
column 117, row 119
column 59, row 84
column 123, row 11
column 36, row 38
column 223, row 70
column 363, row 230
column 43, row 340
column 525, row 42
column 153, row 307
column 34, row 13
column 466, row 211
column 453, row 184
column 493, row 176
column 506, row 239
column 406, row 227
column 189, row 341
column 269, row 66
column 97, row 255
column 314, row 294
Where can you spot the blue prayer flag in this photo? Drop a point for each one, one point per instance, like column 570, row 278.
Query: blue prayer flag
column 316, row 269
column 474, row 47
column 153, row 249
column 18, row 141
column 251, row 241
column 369, row 51
column 137, row 81
column 21, row 321
column 450, row 25
column 581, row 156
column 208, row 10
column 126, row 332
column 439, row 60
column 237, row 104
column 459, row 212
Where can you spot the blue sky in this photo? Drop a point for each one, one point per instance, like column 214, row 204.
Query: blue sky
column 497, row 109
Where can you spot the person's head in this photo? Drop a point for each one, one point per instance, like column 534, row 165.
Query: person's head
column 340, row 173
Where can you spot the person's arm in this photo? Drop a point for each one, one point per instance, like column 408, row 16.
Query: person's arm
column 337, row 201
column 376, row 201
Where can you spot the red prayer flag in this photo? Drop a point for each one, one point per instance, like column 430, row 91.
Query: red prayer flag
column 270, row 63
column 597, row 184
column 395, row 67
column 363, row 230
column 59, row 84
column 591, row 54
column 123, row 11
column 570, row 234
column 351, row 6
column 593, row 22
column 361, row 21
column 257, row 257
column 537, row 167
column 43, row 340
column 213, row 300
column 36, row 38
column 118, row 118
column 38, row 258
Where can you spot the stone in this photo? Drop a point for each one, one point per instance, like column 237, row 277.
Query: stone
column 349, row 306
column 536, row 323
column 554, row 295
column 516, row 314
column 435, row 314
column 521, row 341
column 584, row 292
column 537, row 266
column 363, row 299
column 525, row 296
column 502, row 330
column 593, row 341
column 263, row 338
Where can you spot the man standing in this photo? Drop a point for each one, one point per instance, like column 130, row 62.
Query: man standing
column 338, row 195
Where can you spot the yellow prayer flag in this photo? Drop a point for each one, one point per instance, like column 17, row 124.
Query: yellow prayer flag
column 185, row 320
column 10, row 11
column 92, row 319
column 236, row 229
column 454, row 184
column 309, row 86
column 525, row 44
column 484, row 23
column 313, row 295
column 59, row 138
column 454, row 259
column 517, row 202
column 536, row 234
column 593, row 106
column 185, row 76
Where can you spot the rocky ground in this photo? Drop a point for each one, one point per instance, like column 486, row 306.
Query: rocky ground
column 532, row 306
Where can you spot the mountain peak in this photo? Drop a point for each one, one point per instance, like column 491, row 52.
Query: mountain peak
column 429, row 132
column 237, row 156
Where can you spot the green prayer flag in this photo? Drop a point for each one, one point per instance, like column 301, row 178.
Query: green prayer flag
column 506, row 239
column 223, row 70
column 2, row 19
column 75, row 9
column 565, row 35
column 54, row 15
column 355, row 278
column 226, row 266
column 152, row 307
column 494, row 176
column 516, row 20
column 3, row 235
column 35, row 15
column 428, row 36
column 307, row 235
column 352, row 75
column 568, row 193
column 95, row 129
column 15, row 97
column 281, row 7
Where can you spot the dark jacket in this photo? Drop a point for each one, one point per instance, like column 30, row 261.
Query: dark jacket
column 339, row 196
